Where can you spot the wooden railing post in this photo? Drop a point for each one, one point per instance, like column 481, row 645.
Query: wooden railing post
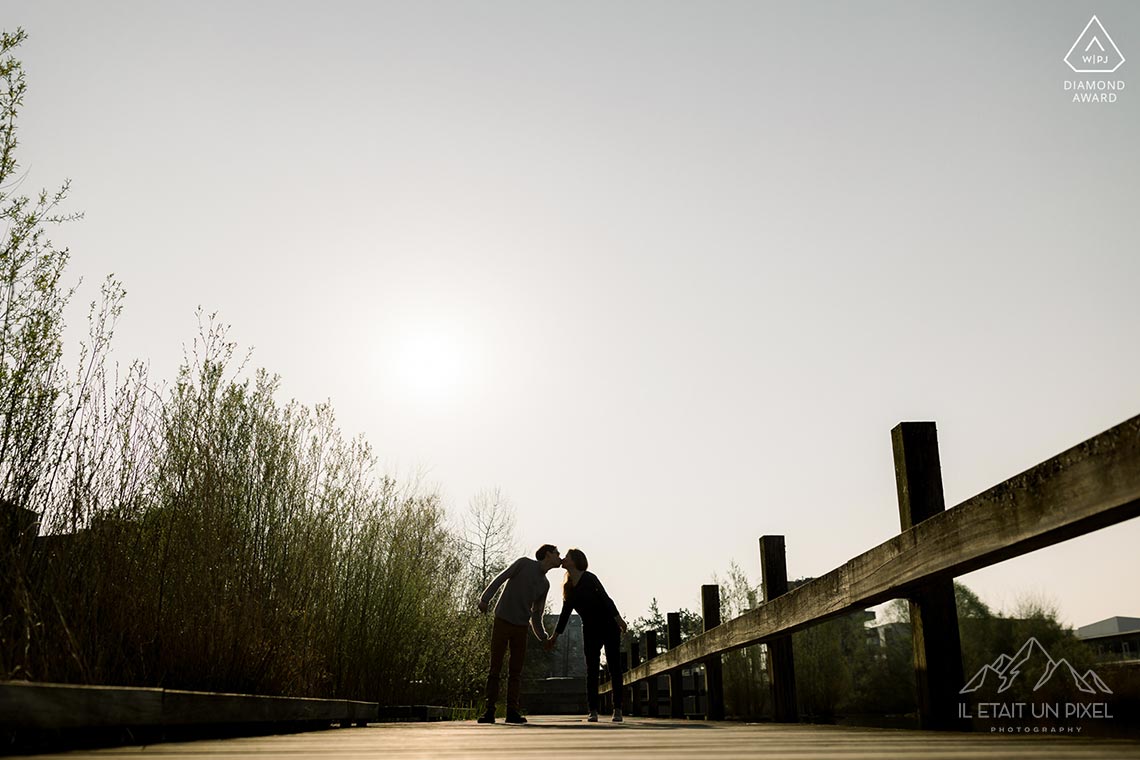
column 933, row 613
column 625, row 666
column 605, row 700
column 676, row 686
column 649, row 644
column 780, row 661
column 714, row 676
column 635, row 686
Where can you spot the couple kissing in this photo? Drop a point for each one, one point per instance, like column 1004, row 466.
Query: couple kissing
column 522, row 603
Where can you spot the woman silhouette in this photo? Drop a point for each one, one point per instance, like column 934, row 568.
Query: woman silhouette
column 602, row 626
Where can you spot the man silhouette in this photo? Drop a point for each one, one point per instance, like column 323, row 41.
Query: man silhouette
column 522, row 601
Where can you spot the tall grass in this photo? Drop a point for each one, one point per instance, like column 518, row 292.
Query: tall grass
column 200, row 534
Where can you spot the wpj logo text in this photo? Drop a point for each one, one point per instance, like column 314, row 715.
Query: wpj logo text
column 1033, row 664
column 1094, row 52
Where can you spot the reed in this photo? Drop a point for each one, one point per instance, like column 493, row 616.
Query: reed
column 200, row 534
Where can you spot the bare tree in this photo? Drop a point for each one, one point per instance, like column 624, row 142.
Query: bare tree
column 489, row 533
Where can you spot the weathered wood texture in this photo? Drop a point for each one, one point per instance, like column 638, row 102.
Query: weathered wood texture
column 25, row 705
column 633, row 706
column 714, row 669
column 634, row 739
column 676, row 690
column 933, row 610
column 780, row 661
column 649, row 647
column 1090, row 486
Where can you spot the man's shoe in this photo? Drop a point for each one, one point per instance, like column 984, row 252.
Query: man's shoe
column 514, row 717
column 593, row 717
column 487, row 717
column 617, row 715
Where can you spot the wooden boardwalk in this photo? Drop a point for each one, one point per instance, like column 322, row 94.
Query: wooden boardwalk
column 547, row 737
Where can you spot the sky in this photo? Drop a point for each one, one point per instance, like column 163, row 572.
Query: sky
column 667, row 273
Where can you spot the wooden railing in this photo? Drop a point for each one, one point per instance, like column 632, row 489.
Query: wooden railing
column 1090, row 486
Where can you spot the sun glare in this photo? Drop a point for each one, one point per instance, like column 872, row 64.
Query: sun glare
column 431, row 366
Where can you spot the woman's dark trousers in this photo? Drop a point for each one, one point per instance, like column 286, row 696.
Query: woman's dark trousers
column 594, row 639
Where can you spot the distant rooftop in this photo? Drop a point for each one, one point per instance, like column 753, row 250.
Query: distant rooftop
column 1109, row 627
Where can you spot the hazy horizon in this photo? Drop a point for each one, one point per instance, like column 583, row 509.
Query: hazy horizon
column 666, row 273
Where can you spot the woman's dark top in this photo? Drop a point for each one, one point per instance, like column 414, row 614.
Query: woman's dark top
column 591, row 601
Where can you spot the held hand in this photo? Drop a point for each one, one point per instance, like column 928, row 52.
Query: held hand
column 549, row 643
column 621, row 624
column 483, row 607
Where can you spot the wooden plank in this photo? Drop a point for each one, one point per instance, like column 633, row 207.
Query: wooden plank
column 780, row 660
column 635, row 739
column 192, row 707
column 44, row 706
column 933, row 611
column 1090, row 486
column 49, row 706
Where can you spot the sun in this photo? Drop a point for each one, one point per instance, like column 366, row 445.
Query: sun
column 431, row 366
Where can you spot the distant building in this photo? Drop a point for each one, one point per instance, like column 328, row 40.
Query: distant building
column 566, row 660
column 881, row 635
column 1114, row 639
column 555, row 682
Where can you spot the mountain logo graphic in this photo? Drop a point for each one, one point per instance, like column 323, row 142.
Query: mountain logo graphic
column 1094, row 52
column 1031, row 660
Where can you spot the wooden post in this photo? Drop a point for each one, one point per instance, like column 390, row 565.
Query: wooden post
column 635, row 686
column 714, row 676
column 780, row 662
column 649, row 644
column 605, row 700
column 627, row 697
column 933, row 613
column 676, row 686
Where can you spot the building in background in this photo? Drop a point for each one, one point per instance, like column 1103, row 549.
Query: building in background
column 554, row 683
column 1114, row 639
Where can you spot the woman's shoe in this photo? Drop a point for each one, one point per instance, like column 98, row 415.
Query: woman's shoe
column 617, row 715
column 593, row 717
